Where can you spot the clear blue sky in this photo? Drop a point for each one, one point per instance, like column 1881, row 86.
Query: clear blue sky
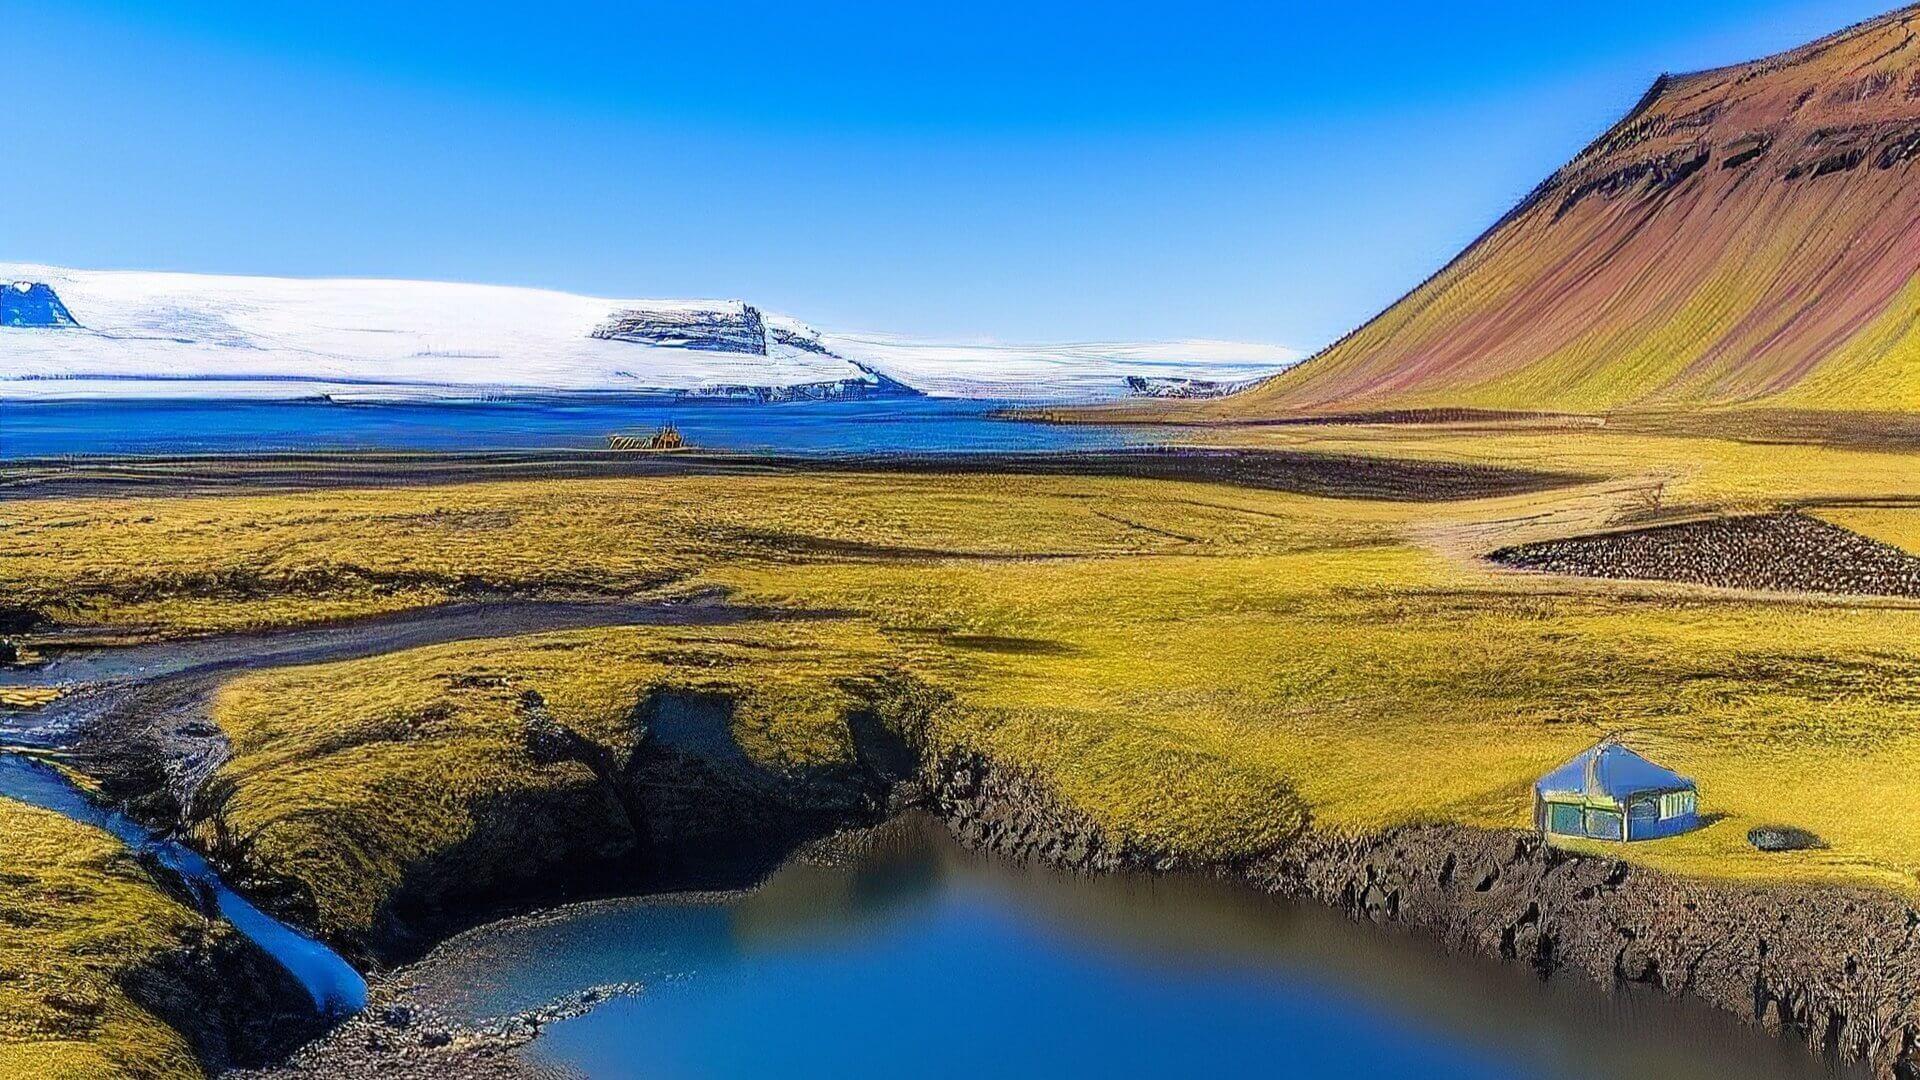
column 1028, row 172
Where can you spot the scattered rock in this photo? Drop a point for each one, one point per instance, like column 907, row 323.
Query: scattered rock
column 368, row 1045
column 1782, row 838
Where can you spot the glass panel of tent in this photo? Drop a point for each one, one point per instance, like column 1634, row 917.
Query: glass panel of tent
column 1605, row 824
column 1567, row 819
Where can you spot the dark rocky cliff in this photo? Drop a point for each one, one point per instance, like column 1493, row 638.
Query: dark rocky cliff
column 1838, row 970
column 739, row 330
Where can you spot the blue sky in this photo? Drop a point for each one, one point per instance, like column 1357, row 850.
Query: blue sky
column 1272, row 172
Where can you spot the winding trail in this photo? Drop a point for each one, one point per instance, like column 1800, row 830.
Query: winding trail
column 152, row 699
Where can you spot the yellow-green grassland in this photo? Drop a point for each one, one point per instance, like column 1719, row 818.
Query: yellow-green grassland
column 1198, row 668
column 81, row 917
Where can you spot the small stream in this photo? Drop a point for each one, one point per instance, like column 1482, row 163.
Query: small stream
column 108, row 679
column 335, row 987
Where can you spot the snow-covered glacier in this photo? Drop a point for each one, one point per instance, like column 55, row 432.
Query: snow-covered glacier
column 68, row 333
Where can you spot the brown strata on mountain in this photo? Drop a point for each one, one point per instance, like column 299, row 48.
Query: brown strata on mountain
column 1746, row 236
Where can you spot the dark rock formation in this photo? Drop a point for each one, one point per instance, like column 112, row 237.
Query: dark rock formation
column 680, row 806
column 805, row 341
column 1009, row 812
column 1782, row 838
column 235, row 1005
column 19, row 620
column 746, row 331
column 715, row 330
column 871, row 385
column 1836, row 969
column 1148, row 386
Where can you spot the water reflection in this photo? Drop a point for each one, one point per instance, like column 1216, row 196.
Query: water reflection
column 917, row 957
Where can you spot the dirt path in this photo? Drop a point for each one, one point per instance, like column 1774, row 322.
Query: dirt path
column 138, row 721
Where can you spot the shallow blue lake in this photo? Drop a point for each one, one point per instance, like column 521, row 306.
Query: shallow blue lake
column 38, row 429
column 920, row 959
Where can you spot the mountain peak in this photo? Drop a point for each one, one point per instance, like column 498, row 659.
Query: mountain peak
column 1746, row 235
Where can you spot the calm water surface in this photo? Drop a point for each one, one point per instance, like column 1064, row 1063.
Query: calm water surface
column 919, row 959
column 40, row 429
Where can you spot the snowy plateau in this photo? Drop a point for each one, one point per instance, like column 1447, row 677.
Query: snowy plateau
column 82, row 333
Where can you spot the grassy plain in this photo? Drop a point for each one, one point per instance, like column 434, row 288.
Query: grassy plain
column 346, row 776
column 172, row 566
column 80, row 916
column 1185, row 661
column 1899, row 526
column 1201, row 668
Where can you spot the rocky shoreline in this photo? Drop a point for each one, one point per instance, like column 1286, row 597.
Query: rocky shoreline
column 400, row 1036
column 1836, row 970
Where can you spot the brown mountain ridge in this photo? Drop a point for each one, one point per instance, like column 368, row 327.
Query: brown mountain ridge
column 1747, row 236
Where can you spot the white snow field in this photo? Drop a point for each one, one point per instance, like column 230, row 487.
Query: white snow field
column 1057, row 372
column 151, row 334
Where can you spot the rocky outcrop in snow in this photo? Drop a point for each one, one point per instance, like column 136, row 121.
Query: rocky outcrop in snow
column 734, row 328
column 1149, row 386
column 870, row 385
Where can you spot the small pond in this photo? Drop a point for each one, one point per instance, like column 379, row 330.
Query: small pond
column 917, row 958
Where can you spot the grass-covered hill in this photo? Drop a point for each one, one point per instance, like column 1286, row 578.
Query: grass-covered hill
column 1745, row 237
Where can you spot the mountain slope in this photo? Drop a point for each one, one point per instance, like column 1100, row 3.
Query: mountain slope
column 1747, row 236
column 82, row 333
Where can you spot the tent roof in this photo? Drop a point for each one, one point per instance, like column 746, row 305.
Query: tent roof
column 1612, row 770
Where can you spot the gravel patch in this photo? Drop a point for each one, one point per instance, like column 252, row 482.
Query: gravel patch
column 1780, row 552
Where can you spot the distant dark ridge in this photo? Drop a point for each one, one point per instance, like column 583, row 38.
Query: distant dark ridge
column 1346, row 476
